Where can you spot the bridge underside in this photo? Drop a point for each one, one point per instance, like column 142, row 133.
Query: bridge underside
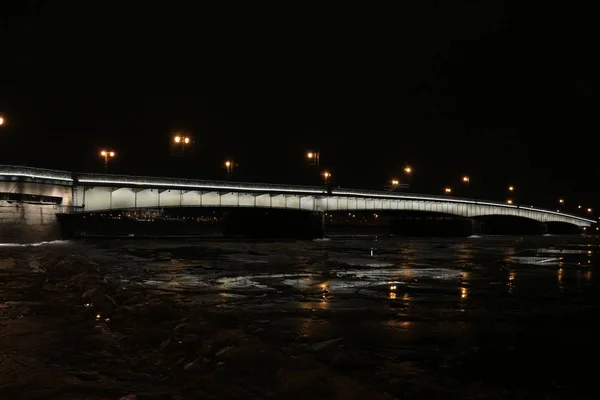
column 105, row 198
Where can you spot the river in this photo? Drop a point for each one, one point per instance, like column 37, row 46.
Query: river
column 483, row 317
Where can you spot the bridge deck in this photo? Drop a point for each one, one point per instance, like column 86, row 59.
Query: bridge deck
column 96, row 192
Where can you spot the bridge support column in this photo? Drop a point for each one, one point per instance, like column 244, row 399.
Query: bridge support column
column 28, row 223
column 322, row 216
column 477, row 226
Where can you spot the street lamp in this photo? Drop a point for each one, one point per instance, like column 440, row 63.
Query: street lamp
column 1, row 120
column 511, row 188
column 395, row 183
column 561, row 201
column 229, row 166
column 589, row 210
column 447, row 190
column 509, row 201
column 183, row 140
column 408, row 171
column 313, row 158
column 326, row 176
column 466, row 179
column 107, row 154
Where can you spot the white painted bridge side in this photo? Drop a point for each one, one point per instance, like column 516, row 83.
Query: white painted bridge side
column 115, row 198
column 103, row 192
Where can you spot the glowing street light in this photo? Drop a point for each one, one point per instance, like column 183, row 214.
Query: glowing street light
column 447, row 190
column 313, row 158
column 408, row 170
column 1, row 120
column 509, row 201
column 395, row 183
column 466, row 179
column 326, row 176
column 589, row 210
column 561, row 201
column 107, row 154
column 511, row 188
column 229, row 166
column 183, row 140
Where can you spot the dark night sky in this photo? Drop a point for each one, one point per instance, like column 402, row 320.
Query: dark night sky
column 502, row 93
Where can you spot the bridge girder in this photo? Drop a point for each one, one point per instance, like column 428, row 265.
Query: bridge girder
column 103, row 199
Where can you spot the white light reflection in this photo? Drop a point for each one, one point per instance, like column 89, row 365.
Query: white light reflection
column 559, row 278
column 34, row 244
column 511, row 282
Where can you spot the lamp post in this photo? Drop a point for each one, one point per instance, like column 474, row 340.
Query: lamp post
column 313, row 158
column 326, row 177
column 467, row 181
column 408, row 171
column 229, row 165
column 183, row 140
column 107, row 154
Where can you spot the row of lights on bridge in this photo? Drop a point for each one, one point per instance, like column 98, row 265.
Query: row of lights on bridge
column 313, row 158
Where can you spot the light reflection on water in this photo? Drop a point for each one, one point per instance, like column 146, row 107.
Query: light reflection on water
column 415, row 264
column 456, row 303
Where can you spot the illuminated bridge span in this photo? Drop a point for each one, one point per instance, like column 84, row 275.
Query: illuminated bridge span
column 103, row 192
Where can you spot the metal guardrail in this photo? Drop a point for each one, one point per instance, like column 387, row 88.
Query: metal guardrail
column 35, row 173
column 448, row 199
column 131, row 180
column 417, row 196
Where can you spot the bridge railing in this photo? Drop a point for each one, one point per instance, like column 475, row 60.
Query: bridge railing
column 131, row 180
column 414, row 196
column 464, row 200
column 35, row 173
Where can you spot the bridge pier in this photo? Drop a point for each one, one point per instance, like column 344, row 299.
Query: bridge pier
column 28, row 223
column 28, row 208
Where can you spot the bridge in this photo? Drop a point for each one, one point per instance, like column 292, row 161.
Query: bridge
column 84, row 193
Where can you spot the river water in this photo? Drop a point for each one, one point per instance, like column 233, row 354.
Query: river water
column 345, row 318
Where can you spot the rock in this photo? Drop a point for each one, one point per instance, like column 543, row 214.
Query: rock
column 93, row 292
column 324, row 344
column 224, row 350
column 190, row 364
